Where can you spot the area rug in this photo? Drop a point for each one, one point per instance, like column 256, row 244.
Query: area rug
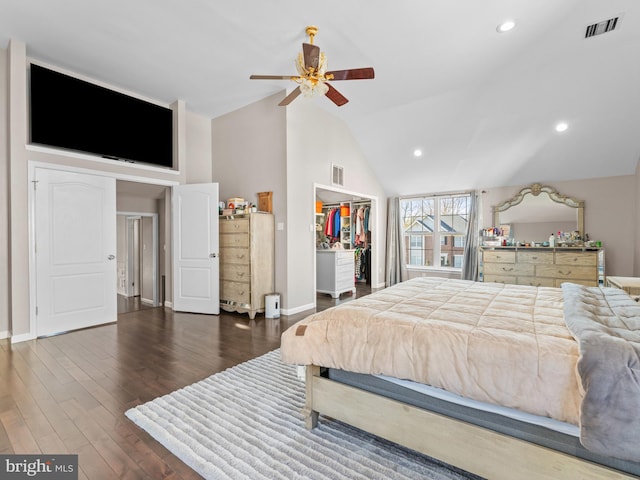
column 246, row 423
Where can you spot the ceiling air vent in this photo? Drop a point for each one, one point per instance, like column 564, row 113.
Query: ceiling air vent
column 601, row 27
column 337, row 175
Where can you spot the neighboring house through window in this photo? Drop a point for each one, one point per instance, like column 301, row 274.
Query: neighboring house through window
column 426, row 245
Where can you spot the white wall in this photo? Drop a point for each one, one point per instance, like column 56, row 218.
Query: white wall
column 316, row 139
column 264, row 147
column 21, row 155
column 610, row 215
column 4, row 198
column 249, row 156
column 122, row 253
column 199, row 168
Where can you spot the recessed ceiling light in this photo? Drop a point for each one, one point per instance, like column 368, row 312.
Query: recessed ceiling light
column 561, row 126
column 417, row 152
column 505, row 26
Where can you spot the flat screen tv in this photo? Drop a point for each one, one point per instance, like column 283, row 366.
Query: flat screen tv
column 73, row 114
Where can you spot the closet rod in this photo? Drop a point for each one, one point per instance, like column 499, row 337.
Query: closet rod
column 331, row 205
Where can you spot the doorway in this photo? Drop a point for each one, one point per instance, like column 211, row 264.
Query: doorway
column 151, row 195
column 138, row 258
column 331, row 197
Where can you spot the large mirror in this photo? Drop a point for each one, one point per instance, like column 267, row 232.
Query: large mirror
column 539, row 210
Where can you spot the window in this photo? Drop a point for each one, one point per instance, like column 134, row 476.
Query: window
column 435, row 228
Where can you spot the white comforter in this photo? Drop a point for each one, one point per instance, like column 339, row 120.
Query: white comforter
column 503, row 344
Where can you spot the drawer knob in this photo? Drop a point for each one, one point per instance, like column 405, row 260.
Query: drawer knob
column 563, row 273
column 505, row 269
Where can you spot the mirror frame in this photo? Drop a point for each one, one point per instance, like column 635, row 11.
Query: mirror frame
column 535, row 190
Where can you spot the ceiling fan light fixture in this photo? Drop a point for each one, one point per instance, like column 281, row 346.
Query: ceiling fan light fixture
column 313, row 88
column 313, row 78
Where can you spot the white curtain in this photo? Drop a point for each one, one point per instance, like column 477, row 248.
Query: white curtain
column 470, row 262
column 396, row 265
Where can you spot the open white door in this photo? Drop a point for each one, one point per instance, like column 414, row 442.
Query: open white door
column 196, row 281
column 75, row 233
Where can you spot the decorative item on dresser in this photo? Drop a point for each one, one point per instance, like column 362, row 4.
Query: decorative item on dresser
column 335, row 271
column 246, row 262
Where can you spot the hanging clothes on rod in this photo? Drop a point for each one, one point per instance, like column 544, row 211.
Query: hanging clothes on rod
column 361, row 221
column 332, row 223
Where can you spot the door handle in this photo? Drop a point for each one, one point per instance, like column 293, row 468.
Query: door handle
column 213, row 255
column 111, row 257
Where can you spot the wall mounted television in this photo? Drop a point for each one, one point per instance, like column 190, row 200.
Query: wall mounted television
column 73, row 114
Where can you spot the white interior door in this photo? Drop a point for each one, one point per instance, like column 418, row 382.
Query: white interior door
column 196, row 265
column 75, row 234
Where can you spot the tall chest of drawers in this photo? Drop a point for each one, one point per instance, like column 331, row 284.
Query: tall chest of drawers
column 545, row 267
column 246, row 262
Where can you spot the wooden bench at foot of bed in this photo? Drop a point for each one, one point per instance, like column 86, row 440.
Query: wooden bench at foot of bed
column 469, row 447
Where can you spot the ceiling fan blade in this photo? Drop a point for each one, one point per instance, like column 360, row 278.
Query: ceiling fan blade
column 290, row 98
column 335, row 96
column 270, row 77
column 352, row 74
column 311, row 55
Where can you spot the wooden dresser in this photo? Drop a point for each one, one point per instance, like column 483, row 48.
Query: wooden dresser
column 547, row 267
column 335, row 271
column 246, row 262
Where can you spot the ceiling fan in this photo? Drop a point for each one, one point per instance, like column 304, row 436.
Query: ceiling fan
column 312, row 78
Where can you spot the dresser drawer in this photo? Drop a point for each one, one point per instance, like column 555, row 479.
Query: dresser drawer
column 234, row 240
column 236, row 292
column 499, row 257
column 520, row 269
column 535, row 257
column 346, row 258
column 567, row 272
column 234, row 255
column 237, row 225
column 570, row 258
column 499, row 279
column 536, row 281
column 235, row 272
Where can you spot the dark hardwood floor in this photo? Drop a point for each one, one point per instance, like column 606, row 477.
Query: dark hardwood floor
column 68, row 393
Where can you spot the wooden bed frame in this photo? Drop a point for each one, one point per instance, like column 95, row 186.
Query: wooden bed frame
column 469, row 447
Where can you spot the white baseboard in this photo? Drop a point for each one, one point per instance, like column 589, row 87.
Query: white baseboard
column 302, row 308
column 168, row 304
column 4, row 334
column 146, row 300
column 22, row 338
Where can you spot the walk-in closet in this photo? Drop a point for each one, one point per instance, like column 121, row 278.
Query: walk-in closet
column 344, row 226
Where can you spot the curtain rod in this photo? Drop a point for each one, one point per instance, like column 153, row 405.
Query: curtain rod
column 443, row 194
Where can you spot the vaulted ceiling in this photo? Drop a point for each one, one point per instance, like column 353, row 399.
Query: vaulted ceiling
column 482, row 106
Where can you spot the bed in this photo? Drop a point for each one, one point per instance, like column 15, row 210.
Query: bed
column 566, row 355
